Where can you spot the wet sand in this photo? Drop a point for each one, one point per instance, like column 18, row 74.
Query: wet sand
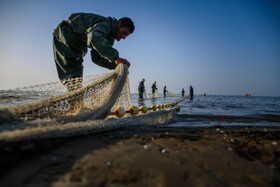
column 147, row 156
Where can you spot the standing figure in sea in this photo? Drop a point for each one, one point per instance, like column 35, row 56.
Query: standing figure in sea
column 164, row 91
column 73, row 37
column 191, row 92
column 141, row 88
column 183, row 92
column 154, row 89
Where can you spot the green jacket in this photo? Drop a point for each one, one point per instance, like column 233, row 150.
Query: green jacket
column 154, row 88
column 96, row 32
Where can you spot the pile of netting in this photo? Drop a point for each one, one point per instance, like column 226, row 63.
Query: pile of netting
column 51, row 110
column 97, row 94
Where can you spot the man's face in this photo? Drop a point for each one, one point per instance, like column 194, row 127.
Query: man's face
column 122, row 32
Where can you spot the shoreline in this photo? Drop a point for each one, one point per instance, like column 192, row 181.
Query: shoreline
column 150, row 155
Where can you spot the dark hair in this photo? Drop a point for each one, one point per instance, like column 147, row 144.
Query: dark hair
column 127, row 22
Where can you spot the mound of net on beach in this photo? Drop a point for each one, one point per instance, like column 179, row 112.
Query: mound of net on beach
column 51, row 110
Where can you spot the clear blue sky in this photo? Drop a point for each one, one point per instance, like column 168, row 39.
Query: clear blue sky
column 217, row 46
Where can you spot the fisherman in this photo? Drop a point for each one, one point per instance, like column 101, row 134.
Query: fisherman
column 154, row 88
column 164, row 91
column 73, row 37
column 141, row 88
column 191, row 93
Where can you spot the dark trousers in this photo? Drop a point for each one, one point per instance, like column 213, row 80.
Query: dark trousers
column 141, row 95
column 68, row 55
column 68, row 52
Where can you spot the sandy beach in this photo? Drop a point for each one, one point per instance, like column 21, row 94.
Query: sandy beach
column 147, row 156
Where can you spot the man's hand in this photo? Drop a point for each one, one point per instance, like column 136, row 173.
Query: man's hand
column 122, row 60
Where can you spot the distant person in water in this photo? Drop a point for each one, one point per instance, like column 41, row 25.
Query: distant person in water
column 183, row 92
column 164, row 91
column 141, row 88
column 191, row 93
column 154, row 88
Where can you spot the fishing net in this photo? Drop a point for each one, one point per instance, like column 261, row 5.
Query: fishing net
column 172, row 94
column 97, row 94
column 78, row 106
column 42, row 130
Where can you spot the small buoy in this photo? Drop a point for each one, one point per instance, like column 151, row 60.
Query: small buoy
column 153, row 107
column 143, row 109
column 120, row 112
column 162, row 106
column 158, row 106
column 133, row 110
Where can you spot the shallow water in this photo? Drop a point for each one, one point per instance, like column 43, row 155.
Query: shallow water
column 222, row 110
column 202, row 111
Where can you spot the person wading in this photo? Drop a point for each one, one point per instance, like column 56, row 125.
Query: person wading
column 141, row 88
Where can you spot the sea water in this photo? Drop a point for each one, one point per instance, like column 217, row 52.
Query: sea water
column 207, row 111
column 221, row 110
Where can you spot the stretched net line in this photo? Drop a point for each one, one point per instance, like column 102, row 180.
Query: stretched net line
column 146, row 96
column 157, row 94
column 172, row 95
column 89, row 98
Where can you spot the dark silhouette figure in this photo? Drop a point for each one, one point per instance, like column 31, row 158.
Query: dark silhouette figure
column 164, row 91
column 154, row 88
column 141, row 88
column 191, row 93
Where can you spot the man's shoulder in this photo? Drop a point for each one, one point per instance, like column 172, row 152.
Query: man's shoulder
column 89, row 16
column 84, row 14
column 89, row 19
